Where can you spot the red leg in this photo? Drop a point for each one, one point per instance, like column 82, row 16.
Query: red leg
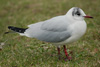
column 65, row 50
column 58, row 48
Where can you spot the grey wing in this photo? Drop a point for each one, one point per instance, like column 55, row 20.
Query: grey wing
column 53, row 30
column 54, row 37
column 57, row 24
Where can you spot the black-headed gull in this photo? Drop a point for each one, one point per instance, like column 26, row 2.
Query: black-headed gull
column 59, row 30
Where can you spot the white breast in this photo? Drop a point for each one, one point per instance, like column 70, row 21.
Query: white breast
column 78, row 28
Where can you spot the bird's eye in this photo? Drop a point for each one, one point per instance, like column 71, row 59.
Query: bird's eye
column 78, row 14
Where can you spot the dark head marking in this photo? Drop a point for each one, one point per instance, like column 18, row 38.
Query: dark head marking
column 76, row 11
column 73, row 12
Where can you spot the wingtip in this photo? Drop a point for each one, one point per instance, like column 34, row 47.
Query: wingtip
column 9, row 27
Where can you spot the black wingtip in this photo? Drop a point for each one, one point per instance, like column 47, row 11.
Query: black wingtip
column 16, row 29
column 9, row 27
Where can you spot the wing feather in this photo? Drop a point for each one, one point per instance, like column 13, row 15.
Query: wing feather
column 52, row 30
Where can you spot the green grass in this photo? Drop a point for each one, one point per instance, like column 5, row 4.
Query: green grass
column 20, row 51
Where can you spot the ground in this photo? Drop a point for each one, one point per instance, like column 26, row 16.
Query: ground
column 21, row 51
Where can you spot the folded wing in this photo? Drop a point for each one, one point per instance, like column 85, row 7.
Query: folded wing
column 52, row 30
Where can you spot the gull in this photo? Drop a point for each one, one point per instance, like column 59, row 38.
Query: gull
column 59, row 30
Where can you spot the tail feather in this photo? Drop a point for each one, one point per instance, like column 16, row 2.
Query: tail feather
column 16, row 29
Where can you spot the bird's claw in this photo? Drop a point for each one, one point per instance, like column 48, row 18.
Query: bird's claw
column 68, row 58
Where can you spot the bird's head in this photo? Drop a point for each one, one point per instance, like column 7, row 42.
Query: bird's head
column 77, row 13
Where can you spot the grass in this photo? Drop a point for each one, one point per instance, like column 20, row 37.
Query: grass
column 19, row 51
